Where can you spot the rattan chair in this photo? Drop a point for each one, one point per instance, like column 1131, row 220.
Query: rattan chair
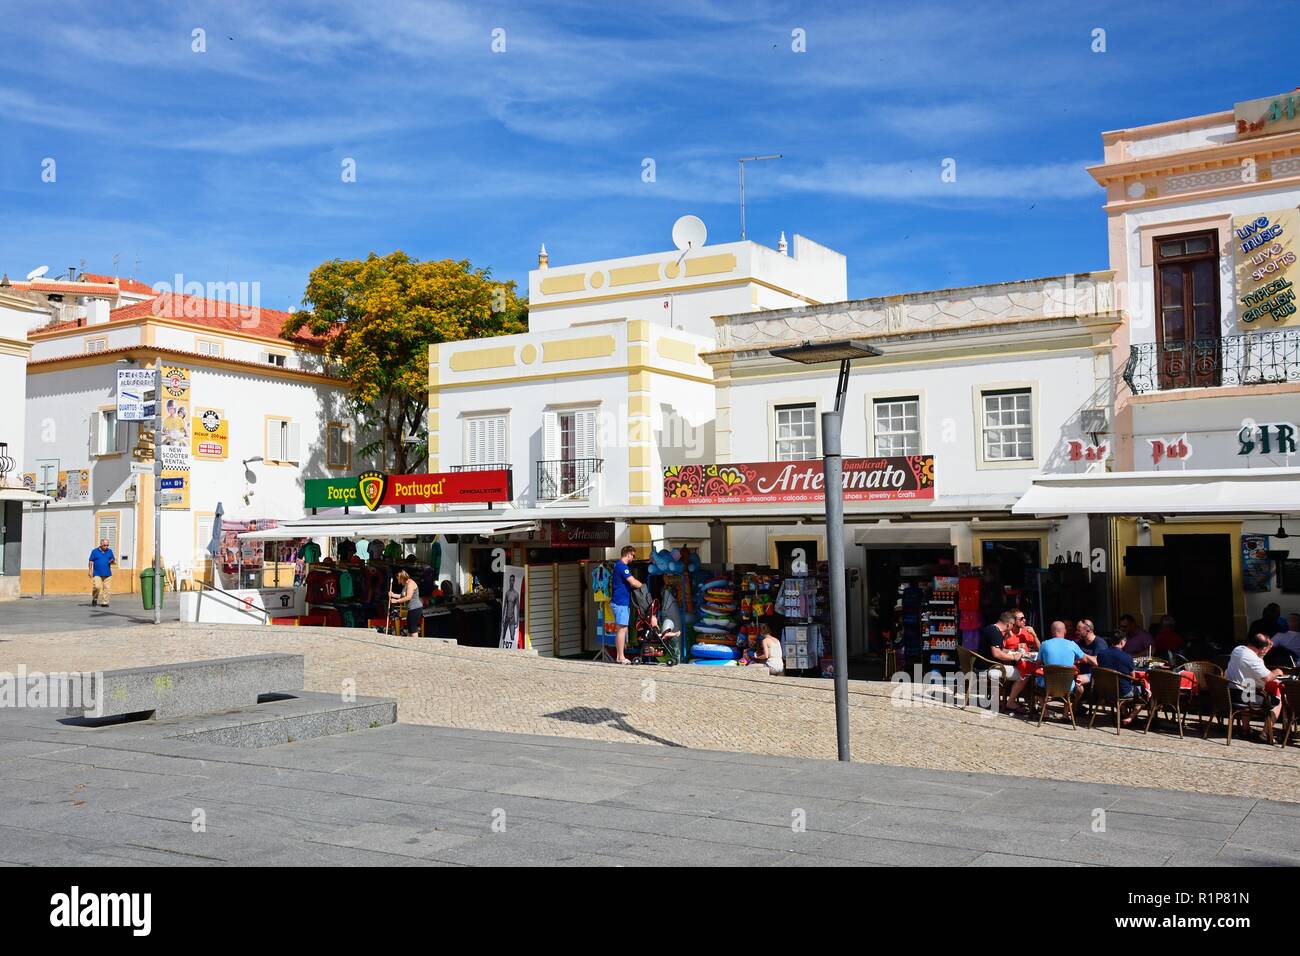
column 981, row 664
column 1224, row 709
column 1290, row 709
column 1058, row 684
column 1166, row 697
column 1105, row 694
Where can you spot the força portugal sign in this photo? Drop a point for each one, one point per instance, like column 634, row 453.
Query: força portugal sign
column 898, row 478
column 372, row 489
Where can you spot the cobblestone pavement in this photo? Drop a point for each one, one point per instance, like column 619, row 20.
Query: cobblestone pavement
column 483, row 689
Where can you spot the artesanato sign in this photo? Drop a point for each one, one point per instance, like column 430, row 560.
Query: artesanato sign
column 373, row 488
column 898, row 478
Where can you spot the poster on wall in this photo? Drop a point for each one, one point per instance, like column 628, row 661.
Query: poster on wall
column 1256, row 568
column 898, row 478
column 512, row 608
column 1264, row 251
column 74, row 485
column 211, row 439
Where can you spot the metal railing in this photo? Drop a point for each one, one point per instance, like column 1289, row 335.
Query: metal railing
column 573, row 479
column 1256, row 358
column 484, row 466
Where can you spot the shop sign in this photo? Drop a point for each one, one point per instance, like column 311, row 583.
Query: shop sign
column 1263, row 117
column 582, row 534
column 211, row 440
column 1170, row 449
column 1077, row 450
column 74, row 485
column 1275, row 438
column 1264, row 251
column 373, row 489
column 134, row 386
column 513, row 635
column 897, row 478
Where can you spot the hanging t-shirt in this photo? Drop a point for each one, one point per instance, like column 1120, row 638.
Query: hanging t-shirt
column 393, row 551
column 311, row 552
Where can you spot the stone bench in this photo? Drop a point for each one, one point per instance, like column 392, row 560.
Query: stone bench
column 189, row 689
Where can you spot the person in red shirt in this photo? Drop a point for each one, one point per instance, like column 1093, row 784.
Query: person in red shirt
column 1021, row 635
column 1167, row 638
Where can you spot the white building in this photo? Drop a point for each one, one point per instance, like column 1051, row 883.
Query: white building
column 1203, row 224
column 608, row 385
column 19, row 311
column 284, row 420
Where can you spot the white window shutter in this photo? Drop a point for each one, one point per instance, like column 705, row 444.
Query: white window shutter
column 585, row 426
column 119, row 436
column 499, row 446
column 476, row 451
column 551, row 433
column 292, row 441
column 275, row 440
column 94, row 432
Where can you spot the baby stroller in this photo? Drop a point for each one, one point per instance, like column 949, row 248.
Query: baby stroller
column 648, row 615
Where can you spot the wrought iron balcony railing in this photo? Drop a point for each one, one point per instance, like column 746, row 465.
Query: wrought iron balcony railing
column 484, row 466
column 1257, row 358
column 572, row 479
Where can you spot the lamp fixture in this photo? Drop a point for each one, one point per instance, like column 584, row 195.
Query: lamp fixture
column 1281, row 529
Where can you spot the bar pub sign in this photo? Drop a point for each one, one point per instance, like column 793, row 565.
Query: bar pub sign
column 372, row 489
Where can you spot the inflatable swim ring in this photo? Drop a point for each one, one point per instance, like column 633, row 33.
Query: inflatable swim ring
column 718, row 652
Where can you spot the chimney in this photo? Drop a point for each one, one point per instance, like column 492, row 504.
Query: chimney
column 96, row 311
column 543, row 258
column 781, row 247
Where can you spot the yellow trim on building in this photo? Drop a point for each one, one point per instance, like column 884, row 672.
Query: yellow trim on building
column 638, row 330
column 474, row 360
column 677, row 350
column 638, row 456
column 571, row 350
column 668, row 290
column 558, row 285
column 633, row 275
column 711, row 265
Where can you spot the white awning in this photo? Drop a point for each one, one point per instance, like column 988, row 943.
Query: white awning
column 1219, row 491
column 21, row 494
column 384, row 526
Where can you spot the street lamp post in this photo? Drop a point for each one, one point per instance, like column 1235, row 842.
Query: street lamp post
column 817, row 353
column 742, row 161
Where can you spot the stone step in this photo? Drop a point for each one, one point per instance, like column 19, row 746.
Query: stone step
column 185, row 689
column 303, row 717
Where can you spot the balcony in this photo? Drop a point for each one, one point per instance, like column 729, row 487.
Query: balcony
column 1257, row 358
column 568, row 479
column 484, row 466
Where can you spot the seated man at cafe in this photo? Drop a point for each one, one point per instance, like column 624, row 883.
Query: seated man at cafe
column 1021, row 635
column 1018, row 688
column 993, row 639
column 1270, row 623
column 1091, row 645
column 1139, row 641
column 1289, row 639
column 1167, row 639
column 1060, row 651
column 1249, row 677
column 1117, row 658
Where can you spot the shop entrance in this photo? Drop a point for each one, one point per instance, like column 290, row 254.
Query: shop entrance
column 888, row 570
column 1198, row 584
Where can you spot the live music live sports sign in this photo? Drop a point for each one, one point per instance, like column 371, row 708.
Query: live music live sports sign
column 371, row 489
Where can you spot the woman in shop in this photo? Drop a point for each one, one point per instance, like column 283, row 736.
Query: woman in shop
column 409, row 597
column 769, row 650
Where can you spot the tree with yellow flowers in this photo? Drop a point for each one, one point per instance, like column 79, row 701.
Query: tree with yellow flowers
column 377, row 317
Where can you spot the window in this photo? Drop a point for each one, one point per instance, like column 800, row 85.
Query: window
column 47, row 476
column 796, row 432
column 208, row 347
column 96, row 345
column 107, row 434
column 1008, row 425
column 338, row 445
column 898, row 426
column 282, row 441
column 106, row 525
column 278, row 359
column 1187, row 309
column 485, row 440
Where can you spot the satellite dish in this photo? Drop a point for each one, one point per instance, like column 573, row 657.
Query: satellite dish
column 689, row 233
column 41, row 270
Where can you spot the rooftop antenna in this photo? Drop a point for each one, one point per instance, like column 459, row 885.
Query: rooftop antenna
column 742, row 161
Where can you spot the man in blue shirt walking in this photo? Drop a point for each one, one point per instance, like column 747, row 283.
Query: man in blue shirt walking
column 100, row 570
column 620, row 600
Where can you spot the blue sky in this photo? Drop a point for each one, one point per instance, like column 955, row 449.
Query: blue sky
column 225, row 165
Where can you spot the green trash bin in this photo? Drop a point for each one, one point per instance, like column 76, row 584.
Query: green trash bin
column 146, row 588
